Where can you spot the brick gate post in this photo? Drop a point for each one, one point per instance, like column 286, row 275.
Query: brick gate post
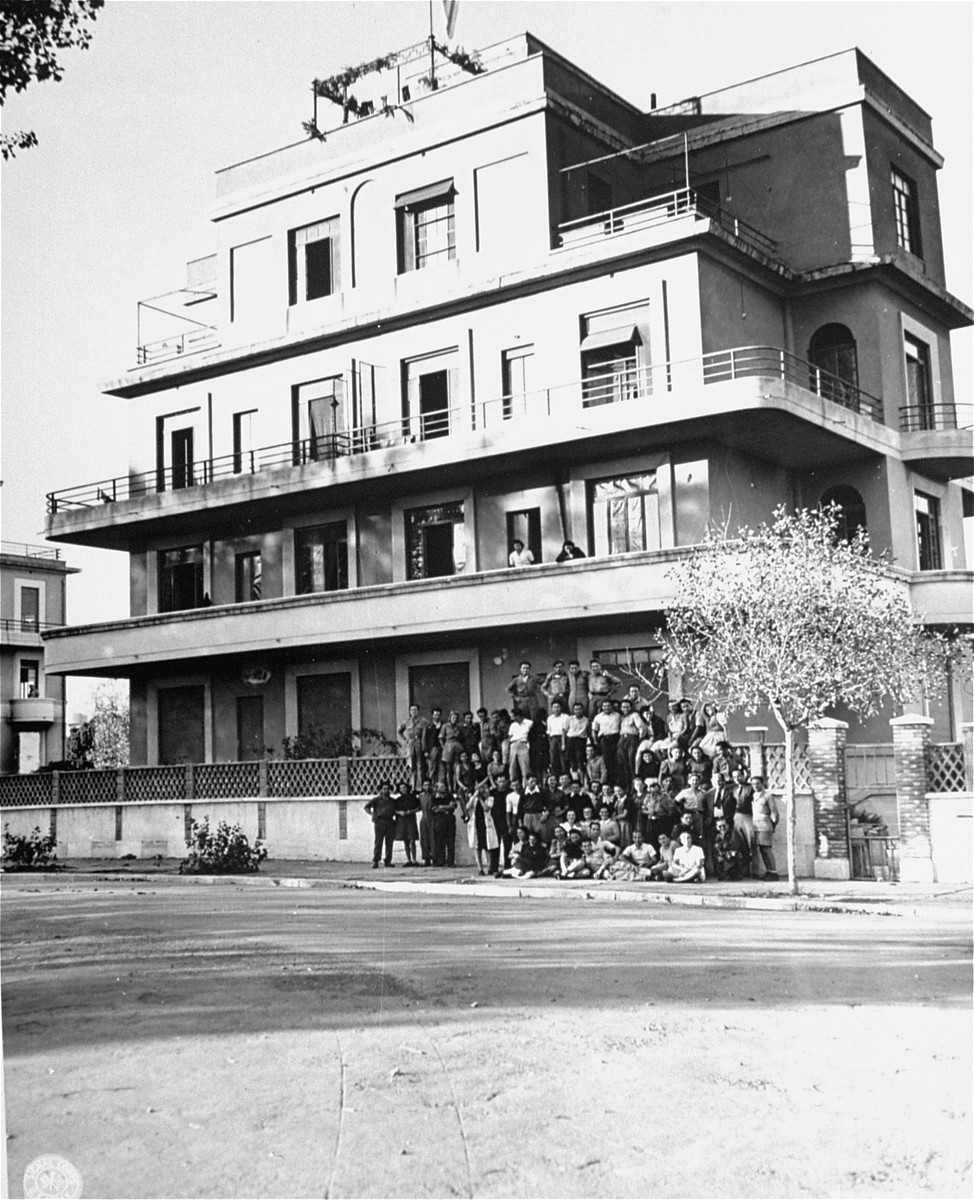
column 911, row 738
column 830, row 803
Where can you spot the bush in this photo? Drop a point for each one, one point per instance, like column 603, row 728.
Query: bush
column 223, row 852
column 31, row 852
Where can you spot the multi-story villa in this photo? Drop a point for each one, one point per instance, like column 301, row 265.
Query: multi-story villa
column 33, row 583
column 516, row 306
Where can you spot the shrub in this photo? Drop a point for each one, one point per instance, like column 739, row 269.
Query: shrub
column 318, row 742
column 225, row 851
column 30, row 852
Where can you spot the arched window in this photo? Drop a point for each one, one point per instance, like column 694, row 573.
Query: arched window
column 852, row 511
column 833, row 351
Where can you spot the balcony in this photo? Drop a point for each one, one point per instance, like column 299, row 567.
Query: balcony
column 33, row 713
column 937, row 439
column 798, row 414
column 23, row 631
column 658, row 211
column 599, row 590
column 942, row 597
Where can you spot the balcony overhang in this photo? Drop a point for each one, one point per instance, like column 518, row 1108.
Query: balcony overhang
column 33, row 714
column 943, row 597
column 773, row 418
column 587, row 590
column 940, row 453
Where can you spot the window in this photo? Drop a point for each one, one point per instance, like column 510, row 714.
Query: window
column 851, row 514
column 624, row 514
column 243, row 441
column 430, row 392
column 929, row 547
column 517, row 371
column 325, row 709
column 246, row 570
column 435, row 541
column 313, row 261
column 613, row 343
column 525, row 526
column 425, row 227
column 440, row 685
column 907, row 212
column 180, row 578
column 181, row 716
column 30, row 609
column 182, row 458
column 250, row 728
column 319, row 419
column 321, row 558
column 919, row 385
column 832, row 351
column 30, row 678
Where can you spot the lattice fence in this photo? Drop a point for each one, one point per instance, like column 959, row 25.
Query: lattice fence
column 215, row 781
column 25, row 791
column 88, row 787
column 774, row 768
column 304, row 777
column 365, row 774
column 155, row 783
column 945, row 768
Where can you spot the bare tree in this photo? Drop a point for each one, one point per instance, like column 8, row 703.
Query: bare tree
column 32, row 33
column 793, row 618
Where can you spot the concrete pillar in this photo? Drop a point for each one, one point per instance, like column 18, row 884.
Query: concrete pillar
column 262, row 778
column 756, row 735
column 830, row 805
column 911, row 738
column 967, row 739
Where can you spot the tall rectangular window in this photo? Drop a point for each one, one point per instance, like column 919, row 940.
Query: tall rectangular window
column 319, row 419
column 525, row 526
column 313, row 261
column 243, row 441
column 919, row 384
column 250, row 728
column 30, row 678
column 435, row 541
column 247, row 570
column 614, row 348
column 321, row 558
column 517, row 380
column 624, row 514
column 425, row 226
column 180, row 578
column 929, row 545
column 907, row 212
column 30, row 608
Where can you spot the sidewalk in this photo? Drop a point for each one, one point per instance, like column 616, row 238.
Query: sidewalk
column 816, row 895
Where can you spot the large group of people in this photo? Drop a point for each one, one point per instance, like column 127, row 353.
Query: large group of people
column 575, row 781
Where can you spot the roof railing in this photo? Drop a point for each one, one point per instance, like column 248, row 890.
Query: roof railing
column 25, row 550
column 916, row 417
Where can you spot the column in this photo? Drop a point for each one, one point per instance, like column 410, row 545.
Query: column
column 830, row 805
column 756, row 735
column 911, row 738
column 967, row 739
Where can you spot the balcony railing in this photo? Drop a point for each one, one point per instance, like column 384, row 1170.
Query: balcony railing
column 191, row 342
column 658, row 210
column 917, row 417
column 504, row 412
column 27, row 625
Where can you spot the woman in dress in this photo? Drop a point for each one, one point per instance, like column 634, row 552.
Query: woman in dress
column 406, row 831
column 482, row 832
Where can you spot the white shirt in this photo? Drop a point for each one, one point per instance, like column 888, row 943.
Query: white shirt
column 520, row 558
column 519, row 730
column 558, row 726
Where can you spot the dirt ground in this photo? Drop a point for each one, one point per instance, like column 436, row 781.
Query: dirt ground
column 182, row 1041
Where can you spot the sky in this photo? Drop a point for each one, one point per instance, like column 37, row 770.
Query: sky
column 116, row 198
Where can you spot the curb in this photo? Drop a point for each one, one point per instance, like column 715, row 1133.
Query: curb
column 670, row 899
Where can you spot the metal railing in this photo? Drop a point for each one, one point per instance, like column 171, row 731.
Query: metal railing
column 25, row 550
column 936, row 416
column 191, row 342
column 658, row 210
column 500, row 413
column 26, row 625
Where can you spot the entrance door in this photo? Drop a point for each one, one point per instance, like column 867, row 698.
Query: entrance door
column 430, row 395
column 181, row 718
column 443, row 685
column 182, row 458
column 325, row 710
column 250, row 728
column 434, row 404
column 438, row 550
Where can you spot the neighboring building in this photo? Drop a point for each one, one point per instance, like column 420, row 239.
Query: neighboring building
column 33, row 582
column 521, row 308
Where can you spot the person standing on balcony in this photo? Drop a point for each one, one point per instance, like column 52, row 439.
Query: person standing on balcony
column 523, row 690
column 519, row 556
column 412, row 734
column 382, row 810
column 569, row 552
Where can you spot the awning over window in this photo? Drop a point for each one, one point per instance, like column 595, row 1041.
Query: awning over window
column 426, row 195
column 612, row 337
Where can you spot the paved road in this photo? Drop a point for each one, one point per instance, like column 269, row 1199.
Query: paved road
column 190, row 1041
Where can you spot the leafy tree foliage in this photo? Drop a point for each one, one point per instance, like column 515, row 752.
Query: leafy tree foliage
column 792, row 617
column 34, row 32
column 103, row 740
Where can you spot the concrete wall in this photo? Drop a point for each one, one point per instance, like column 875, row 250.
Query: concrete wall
column 952, row 845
